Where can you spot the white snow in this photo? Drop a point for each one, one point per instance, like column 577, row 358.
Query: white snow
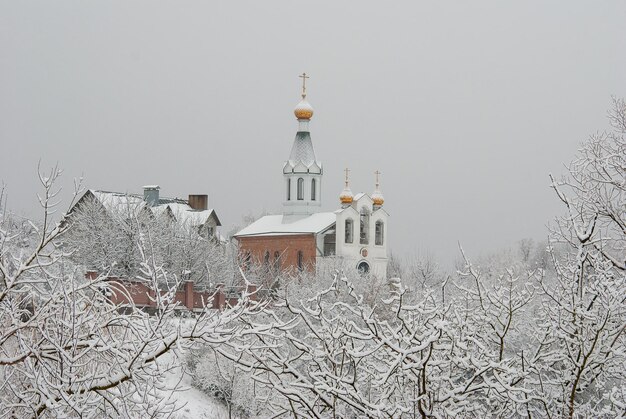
column 184, row 214
column 119, row 203
column 197, row 405
column 272, row 225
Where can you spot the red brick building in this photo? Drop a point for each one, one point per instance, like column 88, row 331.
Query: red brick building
column 293, row 246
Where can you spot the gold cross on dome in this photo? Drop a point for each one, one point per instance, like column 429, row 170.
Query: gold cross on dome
column 303, row 76
column 347, row 171
column 377, row 173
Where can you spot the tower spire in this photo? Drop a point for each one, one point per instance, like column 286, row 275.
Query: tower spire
column 302, row 171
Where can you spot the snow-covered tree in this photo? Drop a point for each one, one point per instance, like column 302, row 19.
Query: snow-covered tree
column 579, row 366
column 105, row 239
column 515, row 338
column 65, row 349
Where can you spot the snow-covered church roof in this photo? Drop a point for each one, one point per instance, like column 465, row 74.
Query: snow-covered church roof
column 273, row 225
column 302, row 156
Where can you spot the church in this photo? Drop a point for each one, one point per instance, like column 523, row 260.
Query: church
column 303, row 238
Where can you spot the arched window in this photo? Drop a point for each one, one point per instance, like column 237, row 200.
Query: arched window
column 363, row 268
column 380, row 232
column 300, row 189
column 246, row 261
column 266, row 259
column 276, row 261
column 313, row 189
column 289, row 189
column 349, row 228
column 300, row 260
column 364, row 226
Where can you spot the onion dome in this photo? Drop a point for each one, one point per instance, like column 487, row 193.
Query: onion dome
column 346, row 197
column 377, row 196
column 303, row 110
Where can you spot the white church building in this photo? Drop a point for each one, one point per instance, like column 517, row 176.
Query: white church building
column 303, row 238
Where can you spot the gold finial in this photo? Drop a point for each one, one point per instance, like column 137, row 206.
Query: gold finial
column 303, row 109
column 346, row 197
column 377, row 196
column 303, row 76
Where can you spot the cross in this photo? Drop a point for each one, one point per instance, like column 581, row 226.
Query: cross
column 377, row 173
column 303, row 76
column 347, row 171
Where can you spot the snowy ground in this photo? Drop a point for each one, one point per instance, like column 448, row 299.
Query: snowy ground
column 197, row 404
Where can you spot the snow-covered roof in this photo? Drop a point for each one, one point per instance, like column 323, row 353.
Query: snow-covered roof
column 120, row 203
column 131, row 204
column 303, row 155
column 272, row 225
column 184, row 214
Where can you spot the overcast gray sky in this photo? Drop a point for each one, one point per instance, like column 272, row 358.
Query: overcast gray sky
column 465, row 107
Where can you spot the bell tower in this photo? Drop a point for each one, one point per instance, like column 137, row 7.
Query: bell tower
column 302, row 173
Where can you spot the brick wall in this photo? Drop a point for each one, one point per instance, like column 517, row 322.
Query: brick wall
column 287, row 246
column 123, row 291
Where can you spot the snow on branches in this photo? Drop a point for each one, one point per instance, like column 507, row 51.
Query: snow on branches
column 65, row 349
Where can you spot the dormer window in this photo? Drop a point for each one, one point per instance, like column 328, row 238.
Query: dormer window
column 300, row 189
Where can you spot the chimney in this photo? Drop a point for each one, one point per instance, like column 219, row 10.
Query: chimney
column 151, row 195
column 199, row 202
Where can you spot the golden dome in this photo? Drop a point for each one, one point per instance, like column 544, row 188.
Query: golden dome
column 346, row 196
column 303, row 110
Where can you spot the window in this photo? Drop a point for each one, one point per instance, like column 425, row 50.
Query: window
column 312, row 189
column 349, row 230
column 329, row 244
column 289, row 189
column 266, row 260
column 364, row 226
column 363, row 268
column 300, row 260
column 300, row 189
column 276, row 261
column 380, row 231
column 246, row 261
